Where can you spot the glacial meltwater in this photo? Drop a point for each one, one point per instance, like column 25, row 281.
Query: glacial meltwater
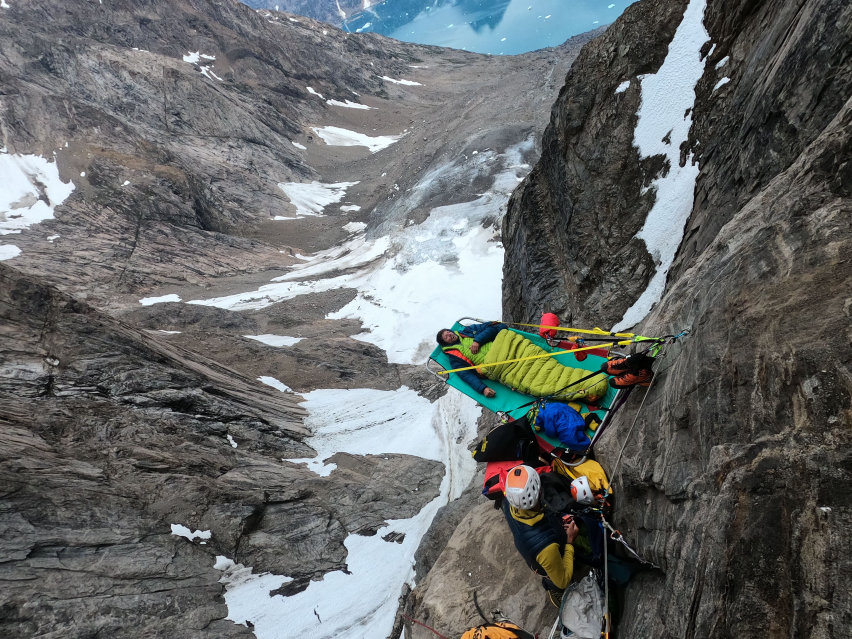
column 499, row 27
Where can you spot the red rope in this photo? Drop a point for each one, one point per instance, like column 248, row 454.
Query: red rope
column 420, row 623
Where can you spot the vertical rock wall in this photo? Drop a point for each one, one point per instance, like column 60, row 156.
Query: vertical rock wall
column 734, row 474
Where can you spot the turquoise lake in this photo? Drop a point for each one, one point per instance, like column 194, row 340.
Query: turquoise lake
column 499, row 27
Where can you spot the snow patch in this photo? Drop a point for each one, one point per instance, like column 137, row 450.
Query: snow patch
column 346, row 208
column 271, row 381
column 299, row 146
column 148, row 301
column 278, row 341
column 722, row 62
column 231, row 441
column 336, row 136
column 183, row 531
column 408, row 83
column 208, row 73
column 720, row 84
column 9, row 251
column 30, row 190
column 313, row 92
column 621, row 88
column 660, row 130
column 311, row 199
column 349, row 104
column 354, row 227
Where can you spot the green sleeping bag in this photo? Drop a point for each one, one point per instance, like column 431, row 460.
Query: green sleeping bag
column 539, row 377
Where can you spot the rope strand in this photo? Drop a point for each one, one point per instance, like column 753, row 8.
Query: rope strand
column 420, row 623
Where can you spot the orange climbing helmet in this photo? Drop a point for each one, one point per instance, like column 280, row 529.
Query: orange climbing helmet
column 523, row 487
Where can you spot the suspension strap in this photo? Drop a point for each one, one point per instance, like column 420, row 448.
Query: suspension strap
column 582, row 331
column 615, row 535
column 607, row 620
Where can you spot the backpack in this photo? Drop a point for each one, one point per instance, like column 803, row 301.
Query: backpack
column 508, row 442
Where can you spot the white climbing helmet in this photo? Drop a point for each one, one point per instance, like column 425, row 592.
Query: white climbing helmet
column 582, row 492
column 523, row 486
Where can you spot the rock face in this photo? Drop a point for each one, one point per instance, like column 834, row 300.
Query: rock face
column 331, row 11
column 735, row 473
column 110, row 436
column 733, row 476
column 177, row 121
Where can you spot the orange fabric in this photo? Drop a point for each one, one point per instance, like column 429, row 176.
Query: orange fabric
column 459, row 354
column 499, row 630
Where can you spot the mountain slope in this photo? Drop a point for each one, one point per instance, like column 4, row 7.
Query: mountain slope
column 132, row 422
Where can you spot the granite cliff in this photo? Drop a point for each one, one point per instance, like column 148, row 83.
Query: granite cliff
column 734, row 469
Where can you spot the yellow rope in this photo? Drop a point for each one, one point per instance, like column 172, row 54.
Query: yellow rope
column 585, row 331
column 523, row 359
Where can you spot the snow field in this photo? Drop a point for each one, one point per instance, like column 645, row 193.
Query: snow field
column 29, row 192
column 361, row 604
column 312, row 198
column 337, row 136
